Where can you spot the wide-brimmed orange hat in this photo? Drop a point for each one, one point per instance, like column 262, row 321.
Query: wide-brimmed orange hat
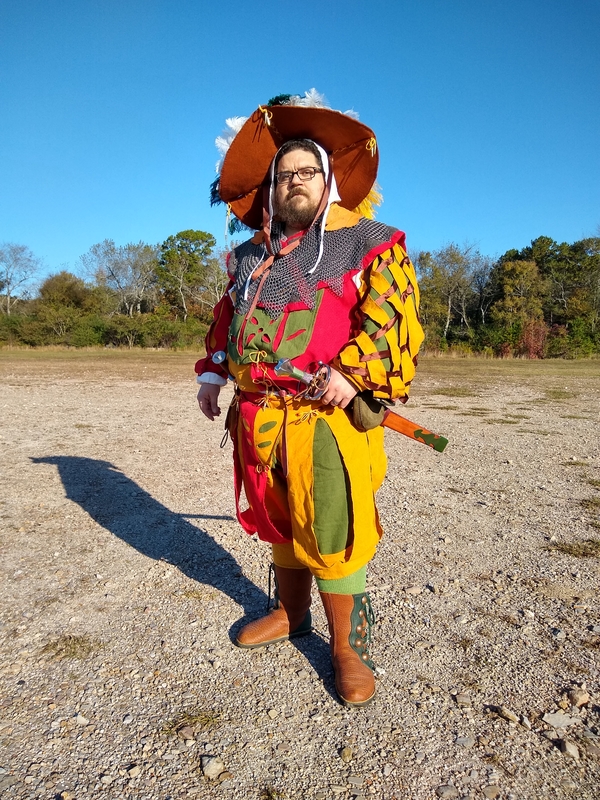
column 351, row 146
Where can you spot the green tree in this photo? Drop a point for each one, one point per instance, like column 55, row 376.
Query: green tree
column 522, row 291
column 182, row 267
column 446, row 281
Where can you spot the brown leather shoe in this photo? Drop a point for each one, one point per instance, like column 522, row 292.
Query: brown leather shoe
column 349, row 617
column 289, row 618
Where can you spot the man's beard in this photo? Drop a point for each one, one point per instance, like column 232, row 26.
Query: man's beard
column 294, row 215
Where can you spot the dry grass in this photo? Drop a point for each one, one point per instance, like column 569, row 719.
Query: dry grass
column 453, row 391
column 574, row 464
column 99, row 364
column 270, row 793
column 591, row 503
column 590, row 548
column 594, row 482
column 67, row 646
column 194, row 718
column 559, row 394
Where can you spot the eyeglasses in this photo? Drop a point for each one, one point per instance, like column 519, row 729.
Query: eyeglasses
column 305, row 174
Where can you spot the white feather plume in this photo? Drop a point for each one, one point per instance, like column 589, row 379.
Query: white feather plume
column 223, row 142
column 311, row 99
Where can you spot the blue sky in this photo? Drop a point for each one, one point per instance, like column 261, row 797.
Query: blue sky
column 487, row 113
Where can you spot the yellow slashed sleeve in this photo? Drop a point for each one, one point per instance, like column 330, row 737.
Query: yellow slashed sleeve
column 382, row 357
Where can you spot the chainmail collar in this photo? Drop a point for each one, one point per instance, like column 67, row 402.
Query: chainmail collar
column 291, row 278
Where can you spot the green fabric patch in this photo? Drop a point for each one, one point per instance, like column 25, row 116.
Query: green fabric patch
column 266, row 426
column 351, row 584
column 330, row 493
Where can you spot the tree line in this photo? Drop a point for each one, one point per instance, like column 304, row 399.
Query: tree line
column 130, row 295
column 539, row 302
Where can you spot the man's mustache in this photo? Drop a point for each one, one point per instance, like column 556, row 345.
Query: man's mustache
column 298, row 191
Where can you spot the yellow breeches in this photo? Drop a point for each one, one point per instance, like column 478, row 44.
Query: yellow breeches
column 305, row 467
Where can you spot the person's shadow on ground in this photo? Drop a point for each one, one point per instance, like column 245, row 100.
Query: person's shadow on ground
column 122, row 507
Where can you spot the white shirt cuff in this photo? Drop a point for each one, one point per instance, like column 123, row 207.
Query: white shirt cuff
column 211, row 377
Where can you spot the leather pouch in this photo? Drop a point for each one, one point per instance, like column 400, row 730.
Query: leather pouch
column 366, row 412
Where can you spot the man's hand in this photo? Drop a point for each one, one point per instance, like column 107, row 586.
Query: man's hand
column 340, row 391
column 208, row 400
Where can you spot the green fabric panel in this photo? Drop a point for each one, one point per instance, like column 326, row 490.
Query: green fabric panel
column 330, row 492
column 381, row 344
column 261, row 334
column 351, row 584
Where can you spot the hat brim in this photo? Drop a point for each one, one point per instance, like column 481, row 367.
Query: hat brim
column 246, row 165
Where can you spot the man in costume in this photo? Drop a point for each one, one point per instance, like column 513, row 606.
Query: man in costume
column 324, row 286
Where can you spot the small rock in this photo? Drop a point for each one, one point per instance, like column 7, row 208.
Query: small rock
column 212, row 766
column 414, row 590
column 66, row 796
column 446, row 791
column 420, row 756
column 493, row 776
column 595, row 628
column 462, row 619
column 272, row 713
column 569, row 749
column 465, row 741
column 134, row 771
column 6, row 781
column 559, row 720
column 490, row 792
column 578, row 697
column 559, row 635
column 507, row 714
column 127, row 719
column 225, row 776
column 387, row 770
column 106, row 779
column 568, row 784
column 186, row 733
column 463, row 700
column 593, row 750
column 346, row 754
column 81, row 720
column 525, row 722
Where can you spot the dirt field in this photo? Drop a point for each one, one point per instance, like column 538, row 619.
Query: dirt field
column 125, row 576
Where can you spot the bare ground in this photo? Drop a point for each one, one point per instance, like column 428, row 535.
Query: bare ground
column 125, row 576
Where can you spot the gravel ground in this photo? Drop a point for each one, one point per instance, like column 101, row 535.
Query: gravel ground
column 126, row 576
